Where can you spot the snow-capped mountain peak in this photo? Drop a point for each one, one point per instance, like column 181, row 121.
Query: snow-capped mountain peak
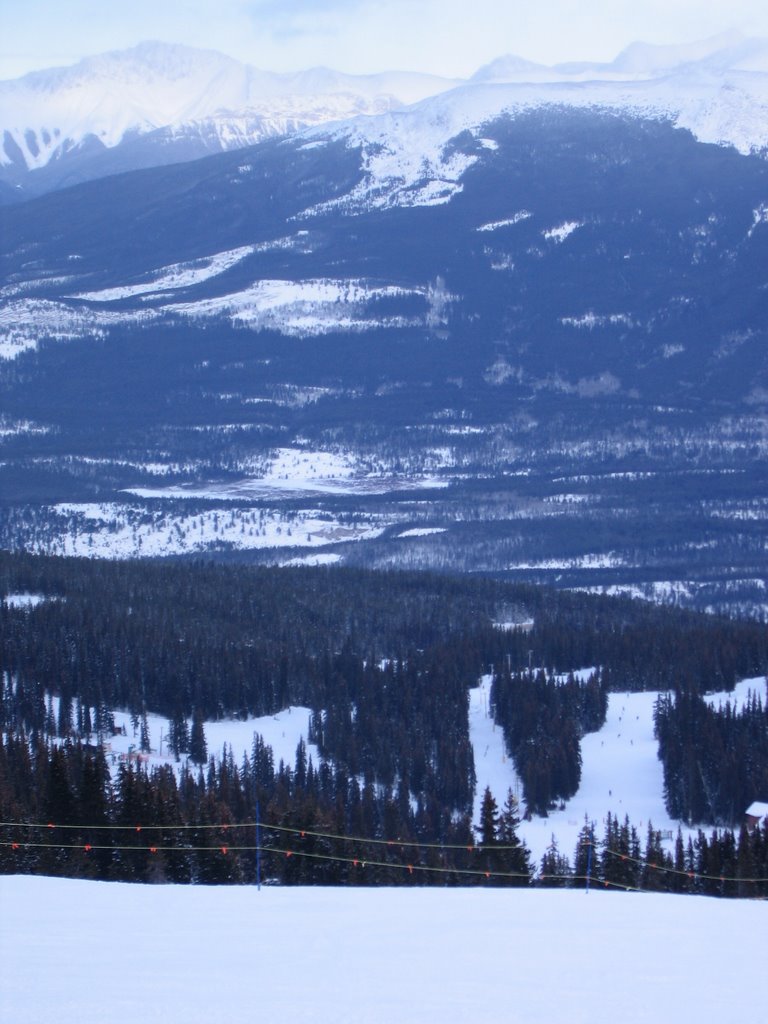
column 158, row 85
column 728, row 52
column 647, row 59
column 158, row 103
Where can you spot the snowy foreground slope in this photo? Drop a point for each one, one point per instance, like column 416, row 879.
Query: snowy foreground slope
column 86, row 952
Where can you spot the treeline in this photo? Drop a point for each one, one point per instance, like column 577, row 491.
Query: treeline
column 725, row 863
column 247, row 640
column 62, row 813
column 316, row 824
column 715, row 758
column 543, row 719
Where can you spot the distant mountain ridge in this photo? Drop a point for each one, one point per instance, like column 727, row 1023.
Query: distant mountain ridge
column 191, row 102
column 158, row 103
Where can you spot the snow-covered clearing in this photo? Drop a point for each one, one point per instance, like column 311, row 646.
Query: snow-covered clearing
column 282, row 732
column 111, row 530
column 620, row 774
column 421, row 531
column 23, row 600
column 80, row 952
column 24, row 322
column 596, row 560
column 301, row 308
column 304, row 470
column 507, row 222
column 562, row 231
column 741, row 693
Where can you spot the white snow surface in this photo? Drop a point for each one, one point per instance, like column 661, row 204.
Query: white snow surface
column 174, row 277
column 562, row 231
column 495, row 225
column 301, row 470
column 112, row 530
column 80, row 952
column 307, row 308
column 421, row 531
column 24, row 600
column 742, row 691
column 594, row 560
column 300, row 308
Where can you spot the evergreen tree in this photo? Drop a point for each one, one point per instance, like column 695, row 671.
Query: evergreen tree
column 489, row 819
column 198, row 748
column 555, row 867
column 586, row 864
column 517, row 858
column 144, row 744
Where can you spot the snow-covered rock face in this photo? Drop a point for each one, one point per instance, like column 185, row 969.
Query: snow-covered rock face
column 152, row 86
column 717, row 90
column 190, row 102
column 409, row 159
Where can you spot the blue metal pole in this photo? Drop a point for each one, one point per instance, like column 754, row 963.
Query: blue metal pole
column 258, row 848
column 589, row 861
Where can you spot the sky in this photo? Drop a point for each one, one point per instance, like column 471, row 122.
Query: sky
column 452, row 38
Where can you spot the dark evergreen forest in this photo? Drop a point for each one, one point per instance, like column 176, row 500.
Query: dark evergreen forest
column 384, row 660
column 543, row 719
column 715, row 759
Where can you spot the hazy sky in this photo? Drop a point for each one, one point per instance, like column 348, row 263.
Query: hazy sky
column 447, row 37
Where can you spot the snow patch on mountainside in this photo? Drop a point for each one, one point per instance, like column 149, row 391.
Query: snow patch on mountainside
column 607, row 560
column 25, row 322
column 301, row 308
column 24, row 600
column 15, row 428
column 589, row 321
column 760, row 216
column 111, row 530
column 412, row 157
column 562, row 231
column 406, row 161
column 174, row 277
column 421, row 531
column 742, row 692
column 514, row 219
column 296, row 308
